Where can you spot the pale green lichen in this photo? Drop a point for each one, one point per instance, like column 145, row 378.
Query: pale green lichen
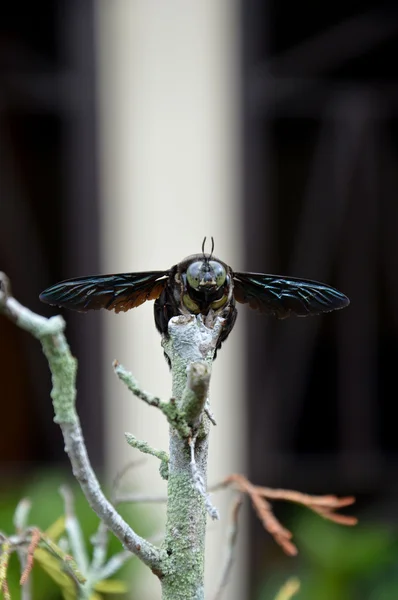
column 63, row 368
column 185, row 537
column 186, row 507
column 146, row 448
column 174, row 415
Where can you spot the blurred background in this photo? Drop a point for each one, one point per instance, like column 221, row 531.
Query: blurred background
column 131, row 129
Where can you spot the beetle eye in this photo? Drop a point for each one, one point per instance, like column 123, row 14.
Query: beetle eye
column 194, row 273
column 220, row 274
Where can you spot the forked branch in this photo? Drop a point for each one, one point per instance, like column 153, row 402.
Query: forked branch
column 63, row 367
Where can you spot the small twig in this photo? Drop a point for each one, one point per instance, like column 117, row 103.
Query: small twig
column 146, row 448
column 322, row 505
column 169, row 409
column 19, row 543
column 69, row 564
column 105, row 571
column 132, row 384
column 73, row 529
column 35, row 539
column 113, row 565
column 21, row 515
column 231, row 543
column 100, row 539
column 121, row 474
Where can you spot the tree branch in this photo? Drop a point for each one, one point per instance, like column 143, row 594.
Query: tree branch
column 325, row 506
column 63, row 368
column 175, row 417
column 190, row 348
column 146, row 448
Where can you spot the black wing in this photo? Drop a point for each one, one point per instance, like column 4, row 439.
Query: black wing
column 285, row 296
column 119, row 292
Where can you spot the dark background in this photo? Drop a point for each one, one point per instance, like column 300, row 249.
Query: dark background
column 48, row 205
column 320, row 194
column 320, row 152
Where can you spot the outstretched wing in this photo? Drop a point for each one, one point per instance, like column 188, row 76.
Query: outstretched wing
column 114, row 292
column 285, row 296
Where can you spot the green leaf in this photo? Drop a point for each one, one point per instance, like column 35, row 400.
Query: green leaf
column 111, row 586
column 56, row 529
column 53, row 567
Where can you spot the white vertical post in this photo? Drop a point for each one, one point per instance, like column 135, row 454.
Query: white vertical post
column 168, row 81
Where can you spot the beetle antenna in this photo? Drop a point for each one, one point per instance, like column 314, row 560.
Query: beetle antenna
column 203, row 246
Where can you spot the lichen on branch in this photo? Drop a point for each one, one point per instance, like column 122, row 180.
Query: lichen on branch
column 63, row 367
